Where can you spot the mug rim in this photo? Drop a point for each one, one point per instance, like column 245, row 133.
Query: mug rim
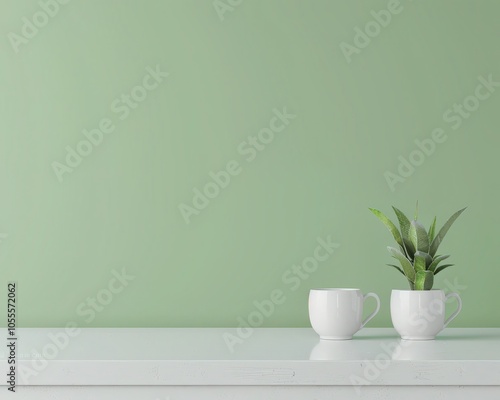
column 417, row 291
column 334, row 289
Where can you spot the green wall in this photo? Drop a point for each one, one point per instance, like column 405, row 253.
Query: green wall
column 353, row 113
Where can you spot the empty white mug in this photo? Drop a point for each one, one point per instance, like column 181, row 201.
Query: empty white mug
column 336, row 314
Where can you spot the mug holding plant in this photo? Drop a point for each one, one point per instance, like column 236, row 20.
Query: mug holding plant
column 418, row 314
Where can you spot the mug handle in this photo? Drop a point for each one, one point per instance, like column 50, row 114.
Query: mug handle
column 459, row 308
column 367, row 319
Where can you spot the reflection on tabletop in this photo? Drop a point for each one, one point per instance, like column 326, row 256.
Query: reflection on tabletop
column 395, row 349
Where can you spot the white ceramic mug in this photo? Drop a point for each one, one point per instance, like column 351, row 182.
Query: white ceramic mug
column 336, row 314
column 419, row 314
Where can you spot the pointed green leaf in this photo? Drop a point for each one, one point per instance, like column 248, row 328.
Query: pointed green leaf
column 439, row 269
column 416, row 212
column 432, row 230
column 404, row 224
column 419, row 261
column 407, row 267
column 412, row 285
column 388, row 223
column 424, row 280
column 436, row 262
column 419, row 237
column 428, row 258
column 398, row 268
column 442, row 232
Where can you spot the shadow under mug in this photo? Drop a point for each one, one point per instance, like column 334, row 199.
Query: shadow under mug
column 336, row 313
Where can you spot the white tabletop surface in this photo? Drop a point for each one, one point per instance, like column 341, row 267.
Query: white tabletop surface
column 270, row 356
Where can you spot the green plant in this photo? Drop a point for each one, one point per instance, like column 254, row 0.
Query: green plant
column 417, row 247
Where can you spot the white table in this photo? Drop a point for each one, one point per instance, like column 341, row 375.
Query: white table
column 272, row 363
